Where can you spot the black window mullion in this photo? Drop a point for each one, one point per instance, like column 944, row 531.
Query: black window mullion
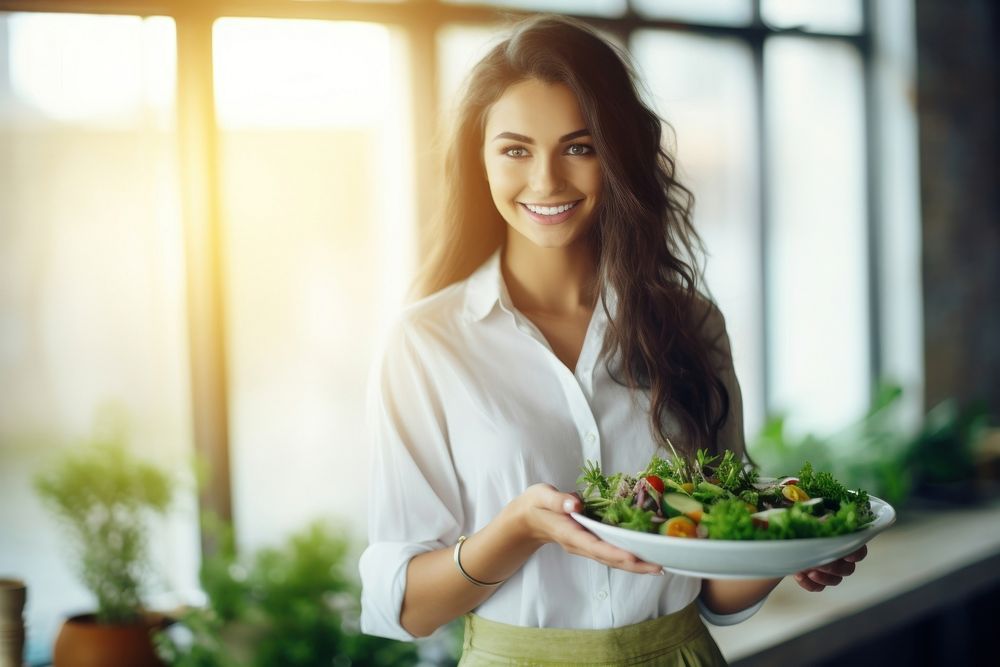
column 873, row 217
column 757, row 38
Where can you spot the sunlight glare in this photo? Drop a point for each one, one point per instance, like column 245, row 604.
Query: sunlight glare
column 70, row 67
column 299, row 73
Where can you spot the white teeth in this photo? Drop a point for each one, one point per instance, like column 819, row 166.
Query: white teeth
column 550, row 210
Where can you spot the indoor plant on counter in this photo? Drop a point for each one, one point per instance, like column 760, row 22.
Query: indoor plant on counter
column 104, row 496
column 295, row 604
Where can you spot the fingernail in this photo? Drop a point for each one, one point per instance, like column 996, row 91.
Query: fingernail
column 569, row 505
column 657, row 573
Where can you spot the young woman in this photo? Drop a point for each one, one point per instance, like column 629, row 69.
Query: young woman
column 562, row 321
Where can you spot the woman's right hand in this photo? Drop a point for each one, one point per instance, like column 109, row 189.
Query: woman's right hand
column 543, row 514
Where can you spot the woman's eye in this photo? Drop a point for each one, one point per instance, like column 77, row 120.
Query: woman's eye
column 516, row 151
column 580, row 149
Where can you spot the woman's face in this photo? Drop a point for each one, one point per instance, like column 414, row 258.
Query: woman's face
column 544, row 175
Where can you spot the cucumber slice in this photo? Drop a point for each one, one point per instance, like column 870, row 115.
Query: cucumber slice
column 675, row 485
column 683, row 503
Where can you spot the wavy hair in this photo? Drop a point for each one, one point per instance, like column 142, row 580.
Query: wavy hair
column 647, row 247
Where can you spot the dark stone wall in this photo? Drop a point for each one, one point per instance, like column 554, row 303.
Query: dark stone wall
column 958, row 97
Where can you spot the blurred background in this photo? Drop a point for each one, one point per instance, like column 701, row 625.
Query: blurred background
column 210, row 211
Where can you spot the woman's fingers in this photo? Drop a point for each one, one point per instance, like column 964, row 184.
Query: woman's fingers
column 803, row 580
column 551, row 508
column 549, row 497
column 831, row 574
column 814, row 580
column 840, row 568
column 582, row 542
column 858, row 555
column 824, row 578
column 571, row 503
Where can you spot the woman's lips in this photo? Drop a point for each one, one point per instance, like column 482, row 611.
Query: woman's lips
column 555, row 219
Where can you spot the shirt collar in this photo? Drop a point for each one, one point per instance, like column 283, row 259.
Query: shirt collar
column 484, row 289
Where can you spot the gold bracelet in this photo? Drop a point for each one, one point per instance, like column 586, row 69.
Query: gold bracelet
column 472, row 580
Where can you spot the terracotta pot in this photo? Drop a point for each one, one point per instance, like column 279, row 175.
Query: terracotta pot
column 83, row 642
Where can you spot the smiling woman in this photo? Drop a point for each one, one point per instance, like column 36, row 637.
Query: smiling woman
column 563, row 320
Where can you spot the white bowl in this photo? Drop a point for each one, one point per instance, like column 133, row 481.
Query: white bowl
column 740, row 559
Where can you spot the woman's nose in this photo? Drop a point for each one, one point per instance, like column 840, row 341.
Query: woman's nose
column 546, row 177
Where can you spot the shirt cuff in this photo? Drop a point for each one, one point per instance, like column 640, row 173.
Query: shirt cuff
column 729, row 619
column 383, row 583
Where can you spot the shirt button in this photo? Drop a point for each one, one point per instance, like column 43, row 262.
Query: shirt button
column 602, row 595
column 590, row 438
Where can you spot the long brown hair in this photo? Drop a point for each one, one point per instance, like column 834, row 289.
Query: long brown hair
column 647, row 246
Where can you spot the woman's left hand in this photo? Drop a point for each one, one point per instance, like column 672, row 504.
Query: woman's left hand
column 816, row 579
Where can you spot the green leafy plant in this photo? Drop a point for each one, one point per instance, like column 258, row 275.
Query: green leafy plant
column 944, row 450
column 877, row 453
column 105, row 497
column 295, row 605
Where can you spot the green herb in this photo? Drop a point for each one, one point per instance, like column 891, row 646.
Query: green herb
column 750, row 496
column 821, row 485
column 594, row 481
column 729, row 520
column 703, row 460
column 733, row 475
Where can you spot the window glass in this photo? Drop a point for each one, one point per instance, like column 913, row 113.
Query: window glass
column 842, row 16
column 593, row 7
column 92, row 311
column 817, row 250
column 709, row 102
column 318, row 218
column 460, row 47
column 725, row 12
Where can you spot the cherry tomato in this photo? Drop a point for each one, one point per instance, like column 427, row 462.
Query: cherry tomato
column 655, row 482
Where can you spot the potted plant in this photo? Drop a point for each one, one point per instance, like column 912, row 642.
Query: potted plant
column 296, row 604
column 104, row 497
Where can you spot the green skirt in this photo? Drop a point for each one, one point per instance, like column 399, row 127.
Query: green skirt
column 675, row 640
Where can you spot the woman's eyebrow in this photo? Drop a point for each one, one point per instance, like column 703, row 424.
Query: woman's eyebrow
column 528, row 140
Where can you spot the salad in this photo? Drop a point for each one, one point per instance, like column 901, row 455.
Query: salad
column 721, row 498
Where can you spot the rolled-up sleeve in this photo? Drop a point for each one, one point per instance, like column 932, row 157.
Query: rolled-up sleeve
column 383, row 576
column 729, row 619
column 415, row 502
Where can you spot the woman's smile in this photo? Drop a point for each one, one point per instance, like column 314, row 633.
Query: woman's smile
column 551, row 214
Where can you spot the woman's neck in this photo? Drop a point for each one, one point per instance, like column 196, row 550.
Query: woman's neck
column 551, row 281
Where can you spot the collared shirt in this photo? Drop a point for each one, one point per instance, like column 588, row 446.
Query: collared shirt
column 469, row 406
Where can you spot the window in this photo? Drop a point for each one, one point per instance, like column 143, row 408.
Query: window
column 318, row 230
column 92, row 313
column 817, row 241
column 709, row 103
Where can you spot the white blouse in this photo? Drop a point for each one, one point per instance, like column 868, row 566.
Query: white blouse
column 469, row 406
